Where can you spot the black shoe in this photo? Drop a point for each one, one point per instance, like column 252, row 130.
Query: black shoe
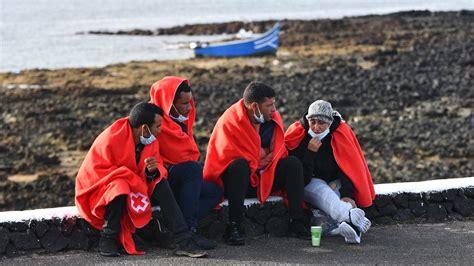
column 299, row 230
column 202, row 241
column 189, row 248
column 234, row 234
column 109, row 247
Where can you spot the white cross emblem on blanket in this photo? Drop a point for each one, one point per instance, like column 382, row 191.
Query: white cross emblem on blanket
column 138, row 201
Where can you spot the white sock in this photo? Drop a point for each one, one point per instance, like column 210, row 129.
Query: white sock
column 350, row 235
column 357, row 218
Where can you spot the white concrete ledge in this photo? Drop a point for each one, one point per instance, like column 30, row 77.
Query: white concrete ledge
column 380, row 189
column 424, row 186
column 39, row 214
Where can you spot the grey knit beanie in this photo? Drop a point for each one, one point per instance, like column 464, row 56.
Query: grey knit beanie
column 320, row 110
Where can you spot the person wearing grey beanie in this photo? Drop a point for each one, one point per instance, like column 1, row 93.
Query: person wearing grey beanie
column 337, row 179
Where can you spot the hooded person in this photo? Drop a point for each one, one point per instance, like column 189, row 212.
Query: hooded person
column 337, row 178
column 122, row 177
column 180, row 154
column 246, row 156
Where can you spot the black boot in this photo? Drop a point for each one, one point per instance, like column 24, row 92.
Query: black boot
column 108, row 245
column 202, row 241
column 234, row 234
column 298, row 229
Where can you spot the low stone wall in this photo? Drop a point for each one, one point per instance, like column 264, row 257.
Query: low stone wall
column 56, row 229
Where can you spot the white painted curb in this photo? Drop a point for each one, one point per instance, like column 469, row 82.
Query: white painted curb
column 380, row 189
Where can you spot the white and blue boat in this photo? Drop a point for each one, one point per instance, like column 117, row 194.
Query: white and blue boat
column 266, row 43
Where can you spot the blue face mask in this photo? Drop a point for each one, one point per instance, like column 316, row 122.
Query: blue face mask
column 149, row 140
column 319, row 136
column 260, row 119
column 181, row 118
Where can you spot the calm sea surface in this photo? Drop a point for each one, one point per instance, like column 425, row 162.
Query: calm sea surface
column 43, row 33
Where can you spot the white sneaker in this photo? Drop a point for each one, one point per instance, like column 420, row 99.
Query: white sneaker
column 357, row 218
column 351, row 236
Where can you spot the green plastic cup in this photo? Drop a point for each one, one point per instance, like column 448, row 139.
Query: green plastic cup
column 316, row 235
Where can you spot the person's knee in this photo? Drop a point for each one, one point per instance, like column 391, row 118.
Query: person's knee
column 241, row 164
column 188, row 171
column 194, row 169
column 293, row 162
column 292, row 167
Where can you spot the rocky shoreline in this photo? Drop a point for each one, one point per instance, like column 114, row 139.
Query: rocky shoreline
column 404, row 82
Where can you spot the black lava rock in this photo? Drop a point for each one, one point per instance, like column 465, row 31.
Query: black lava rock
column 279, row 209
column 263, row 215
column 401, row 200
column 469, row 192
column 388, row 210
column 54, row 241
column 25, row 241
column 448, row 206
column 252, row 229
column 434, row 197
column 418, row 208
column 41, row 228
column 450, row 194
column 371, row 212
column 436, row 212
column 403, row 215
column 18, row 226
column 414, row 196
column 4, row 237
column 252, row 210
column 87, row 228
column 68, row 225
column 464, row 206
column 277, row 226
column 78, row 240
column 383, row 201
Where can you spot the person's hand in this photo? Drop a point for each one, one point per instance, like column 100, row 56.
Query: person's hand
column 314, row 144
column 265, row 161
column 150, row 164
column 349, row 200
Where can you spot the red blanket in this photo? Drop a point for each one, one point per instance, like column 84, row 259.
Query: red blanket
column 235, row 137
column 110, row 170
column 180, row 147
column 348, row 156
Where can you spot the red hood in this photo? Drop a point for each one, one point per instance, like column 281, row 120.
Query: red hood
column 179, row 146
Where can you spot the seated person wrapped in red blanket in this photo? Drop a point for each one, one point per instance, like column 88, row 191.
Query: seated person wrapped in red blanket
column 122, row 177
column 246, row 156
column 336, row 175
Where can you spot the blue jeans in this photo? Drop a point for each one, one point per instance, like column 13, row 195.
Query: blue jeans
column 194, row 196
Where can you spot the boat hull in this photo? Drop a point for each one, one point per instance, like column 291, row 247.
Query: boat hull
column 267, row 43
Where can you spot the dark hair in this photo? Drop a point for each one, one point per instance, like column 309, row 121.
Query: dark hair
column 257, row 92
column 144, row 113
column 183, row 87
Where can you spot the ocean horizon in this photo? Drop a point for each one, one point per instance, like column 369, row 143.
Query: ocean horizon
column 45, row 33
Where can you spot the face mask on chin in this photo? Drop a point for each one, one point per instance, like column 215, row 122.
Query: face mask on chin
column 181, row 118
column 149, row 140
column 260, row 119
column 319, row 136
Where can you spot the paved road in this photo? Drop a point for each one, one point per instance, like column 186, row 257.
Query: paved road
column 446, row 243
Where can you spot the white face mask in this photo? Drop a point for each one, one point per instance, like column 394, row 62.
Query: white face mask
column 260, row 119
column 149, row 140
column 319, row 136
column 181, row 118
